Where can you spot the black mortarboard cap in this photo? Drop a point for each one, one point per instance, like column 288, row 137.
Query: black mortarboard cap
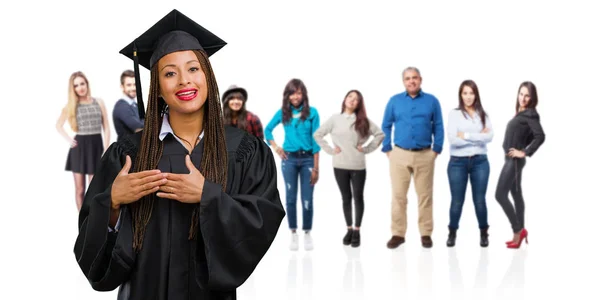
column 174, row 32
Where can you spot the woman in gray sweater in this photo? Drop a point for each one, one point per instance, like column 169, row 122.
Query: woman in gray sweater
column 349, row 131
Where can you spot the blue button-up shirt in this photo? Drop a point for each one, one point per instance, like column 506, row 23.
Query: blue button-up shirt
column 415, row 121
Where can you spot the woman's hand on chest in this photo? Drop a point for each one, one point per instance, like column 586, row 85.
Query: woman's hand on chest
column 186, row 188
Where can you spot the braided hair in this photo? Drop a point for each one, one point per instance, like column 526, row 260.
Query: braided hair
column 214, row 157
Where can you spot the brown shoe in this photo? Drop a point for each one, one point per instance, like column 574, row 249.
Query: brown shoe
column 426, row 241
column 395, row 241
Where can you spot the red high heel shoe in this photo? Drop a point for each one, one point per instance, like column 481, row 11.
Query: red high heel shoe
column 517, row 245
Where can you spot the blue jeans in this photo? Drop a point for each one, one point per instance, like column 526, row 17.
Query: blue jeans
column 298, row 165
column 460, row 170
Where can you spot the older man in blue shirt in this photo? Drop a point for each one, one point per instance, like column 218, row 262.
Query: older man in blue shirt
column 418, row 139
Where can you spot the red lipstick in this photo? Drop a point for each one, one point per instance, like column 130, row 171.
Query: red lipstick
column 186, row 94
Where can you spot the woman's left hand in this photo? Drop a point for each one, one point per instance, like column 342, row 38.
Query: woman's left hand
column 186, row 188
column 512, row 152
column 360, row 148
column 314, row 176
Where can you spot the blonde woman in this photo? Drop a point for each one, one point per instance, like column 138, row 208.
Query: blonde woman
column 87, row 117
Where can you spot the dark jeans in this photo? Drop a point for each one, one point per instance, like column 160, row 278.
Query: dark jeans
column 351, row 182
column 460, row 170
column 298, row 166
column 510, row 181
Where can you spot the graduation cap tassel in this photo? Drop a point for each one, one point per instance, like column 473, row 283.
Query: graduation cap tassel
column 138, row 83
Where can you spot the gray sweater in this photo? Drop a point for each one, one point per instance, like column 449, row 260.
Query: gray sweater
column 343, row 135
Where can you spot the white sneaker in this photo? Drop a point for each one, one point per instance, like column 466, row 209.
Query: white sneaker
column 308, row 242
column 294, row 243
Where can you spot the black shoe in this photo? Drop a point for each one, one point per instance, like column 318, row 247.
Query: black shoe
column 348, row 237
column 484, row 242
column 451, row 238
column 355, row 238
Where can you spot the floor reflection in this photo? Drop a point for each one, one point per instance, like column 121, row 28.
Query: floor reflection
column 307, row 276
column 512, row 285
column 353, row 281
column 457, row 286
column 481, row 275
column 398, row 271
column 292, row 276
column 425, row 275
column 306, row 289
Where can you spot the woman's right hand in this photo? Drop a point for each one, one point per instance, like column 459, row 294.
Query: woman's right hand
column 337, row 150
column 280, row 152
column 130, row 187
column 73, row 143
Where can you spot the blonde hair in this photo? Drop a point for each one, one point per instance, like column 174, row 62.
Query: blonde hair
column 73, row 99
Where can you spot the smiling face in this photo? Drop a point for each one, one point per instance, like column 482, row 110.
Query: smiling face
column 128, row 87
column 182, row 82
column 235, row 104
column 412, row 81
column 80, row 86
column 296, row 98
column 524, row 97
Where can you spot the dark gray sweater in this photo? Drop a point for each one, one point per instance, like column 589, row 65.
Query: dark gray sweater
column 524, row 132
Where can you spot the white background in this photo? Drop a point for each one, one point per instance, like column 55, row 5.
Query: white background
column 332, row 47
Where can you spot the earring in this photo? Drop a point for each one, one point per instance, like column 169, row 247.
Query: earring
column 165, row 107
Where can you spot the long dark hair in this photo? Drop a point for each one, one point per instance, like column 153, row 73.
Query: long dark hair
column 290, row 88
column 214, row 157
column 361, row 125
column 240, row 116
column 476, row 103
column 533, row 96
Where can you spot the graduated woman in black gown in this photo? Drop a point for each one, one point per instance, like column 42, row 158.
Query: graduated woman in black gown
column 184, row 209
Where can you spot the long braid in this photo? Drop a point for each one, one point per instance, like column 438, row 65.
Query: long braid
column 214, row 158
column 148, row 156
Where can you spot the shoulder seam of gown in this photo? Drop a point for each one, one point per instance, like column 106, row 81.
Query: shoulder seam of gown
column 245, row 147
column 129, row 147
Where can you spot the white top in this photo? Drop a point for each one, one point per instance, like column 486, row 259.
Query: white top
column 165, row 129
column 474, row 142
column 343, row 135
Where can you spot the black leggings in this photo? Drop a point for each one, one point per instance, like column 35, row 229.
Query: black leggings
column 355, row 178
column 510, row 181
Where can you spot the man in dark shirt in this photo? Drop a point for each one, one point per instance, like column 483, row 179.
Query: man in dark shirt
column 125, row 113
column 416, row 117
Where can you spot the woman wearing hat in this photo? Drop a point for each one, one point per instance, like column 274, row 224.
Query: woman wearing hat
column 186, row 208
column 235, row 113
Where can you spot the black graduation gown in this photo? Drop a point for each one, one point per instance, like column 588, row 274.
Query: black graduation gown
column 236, row 227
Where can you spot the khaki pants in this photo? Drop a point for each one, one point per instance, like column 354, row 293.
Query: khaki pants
column 404, row 164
